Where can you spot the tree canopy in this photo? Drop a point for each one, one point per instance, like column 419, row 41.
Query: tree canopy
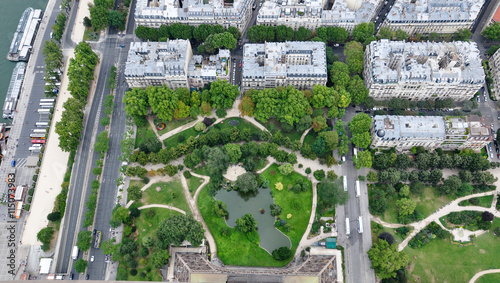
column 176, row 229
column 386, row 260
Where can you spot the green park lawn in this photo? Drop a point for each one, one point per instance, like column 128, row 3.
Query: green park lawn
column 489, row 278
column 440, row 261
column 427, row 203
column 170, row 125
column 201, row 170
column 376, row 230
column 244, row 124
column 171, row 193
column 174, row 140
column 484, row 201
column 297, row 204
column 237, row 249
column 310, row 137
column 138, row 183
column 193, row 184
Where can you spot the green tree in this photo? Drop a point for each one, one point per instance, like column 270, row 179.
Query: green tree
column 319, row 146
column 58, row 27
column 80, row 265
column 354, row 56
column 235, row 32
column 362, row 140
column 319, row 123
column 246, row 223
column 117, row 19
column 160, row 258
column 119, row 214
column 401, row 35
column 54, row 216
column 102, row 142
column 330, row 193
column 363, row 159
column 386, row 260
column 492, row 32
column 285, row 169
column 331, row 139
column 246, row 106
column 234, row 152
column 45, row 235
column 362, row 31
column 261, row 33
column 357, row 89
column 360, row 123
column 339, row 74
column 303, row 34
column 53, row 55
column 405, row 206
column 247, row 182
column 70, row 126
column 282, row 253
column 84, row 240
column 284, row 33
column 223, row 94
column 99, row 17
column 463, row 34
column 433, row 36
column 304, row 123
column 176, row 229
column 220, row 209
column 220, row 40
column 405, row 191
column 134, row 192
column 384, row 33
column 150, row 144
column 136, row 102
column 163, row 101
column 108, row 246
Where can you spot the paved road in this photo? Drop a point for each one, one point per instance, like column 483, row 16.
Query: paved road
column 111, row 53
column 357, row 264
column 379, row 18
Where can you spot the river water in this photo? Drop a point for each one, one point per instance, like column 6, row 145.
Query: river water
column 10, row 13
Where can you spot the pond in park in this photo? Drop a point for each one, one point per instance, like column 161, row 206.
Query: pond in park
column 237, row 206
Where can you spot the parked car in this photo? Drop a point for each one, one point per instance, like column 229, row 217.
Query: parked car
column 491, row 155
column 71, row 276
column 92, row 259
column 87, row 277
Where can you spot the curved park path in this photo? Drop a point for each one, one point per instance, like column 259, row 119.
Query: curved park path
column 445, row 210
column 162, row 206
column 484, row 272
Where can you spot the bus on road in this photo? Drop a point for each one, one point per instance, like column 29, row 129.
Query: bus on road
column 347, row 227
column 345, row 183
column 357, row 188
column 360, row 225
column 97, row 243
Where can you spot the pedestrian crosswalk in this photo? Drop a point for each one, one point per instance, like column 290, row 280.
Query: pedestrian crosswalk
column 21, row 162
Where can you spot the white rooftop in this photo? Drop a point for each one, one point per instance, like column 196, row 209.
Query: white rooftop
column 399, row 61
column 435, row 10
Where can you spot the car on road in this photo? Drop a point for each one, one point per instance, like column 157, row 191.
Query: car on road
column 491, row 155
column 240, row 69
column 478, row 99
column 122, row 45
column 497, row 150
column 87, row 277
column 71, row 276
column 498, row 156
column 92, row 259
column 50, row 34
column 240, row 64
column 95, row 231
column 336, row 45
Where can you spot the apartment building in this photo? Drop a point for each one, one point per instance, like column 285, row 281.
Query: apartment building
column 494, row 63
column 273, row 64
column 312, row 14
column 154, row 13
column 423, row 70
column 430, row 132
column 173, row 64
column 427, row 16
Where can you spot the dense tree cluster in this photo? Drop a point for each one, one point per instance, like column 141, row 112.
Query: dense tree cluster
column 386, row 259
column 387, row 33
column 262, row 33
column 213, row 36
column 359, row 127
column 330, row 193
column 176, row 229
column 492, row 32
column 102, row 15
column 430, row 232
column 53, row 63
column 59, row 25
column 180, row 103
column 80, row 73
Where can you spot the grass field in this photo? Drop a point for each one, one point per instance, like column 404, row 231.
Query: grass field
column 484, row 201
column 310, row 137
column 171, row 193
column 244, row 124
column 440, row 261
column 378, row 229
column 202, row 170
column 138, row 183
column 174, row 140
column 489, row 278
column 427, row 203
column 237, row 249
column 193, row 184
column 170, row 125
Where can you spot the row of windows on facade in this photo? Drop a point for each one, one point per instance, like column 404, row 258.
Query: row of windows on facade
column 429, row 21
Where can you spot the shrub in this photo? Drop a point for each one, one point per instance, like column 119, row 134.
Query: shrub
column 31, row 192
column 133, row 272
column 145, row 180
column 200, row 126
column 319, row 175
column 186, row 174
column 54, row 216
column 308, row 170
column 282, row 253
column 221, row 112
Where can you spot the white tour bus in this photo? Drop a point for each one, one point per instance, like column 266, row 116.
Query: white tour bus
column 360, row 225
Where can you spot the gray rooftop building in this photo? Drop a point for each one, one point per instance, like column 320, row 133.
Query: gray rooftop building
column 427, row 16
column 158, row 63
column 312, row 14
column 272, row 64
column 423, row 70
column 153, row 13
column 430, row 132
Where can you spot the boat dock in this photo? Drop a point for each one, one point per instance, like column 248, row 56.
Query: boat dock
column 16, row 81
column 20, row 48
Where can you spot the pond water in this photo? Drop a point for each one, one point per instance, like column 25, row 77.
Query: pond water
column 237, row 206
